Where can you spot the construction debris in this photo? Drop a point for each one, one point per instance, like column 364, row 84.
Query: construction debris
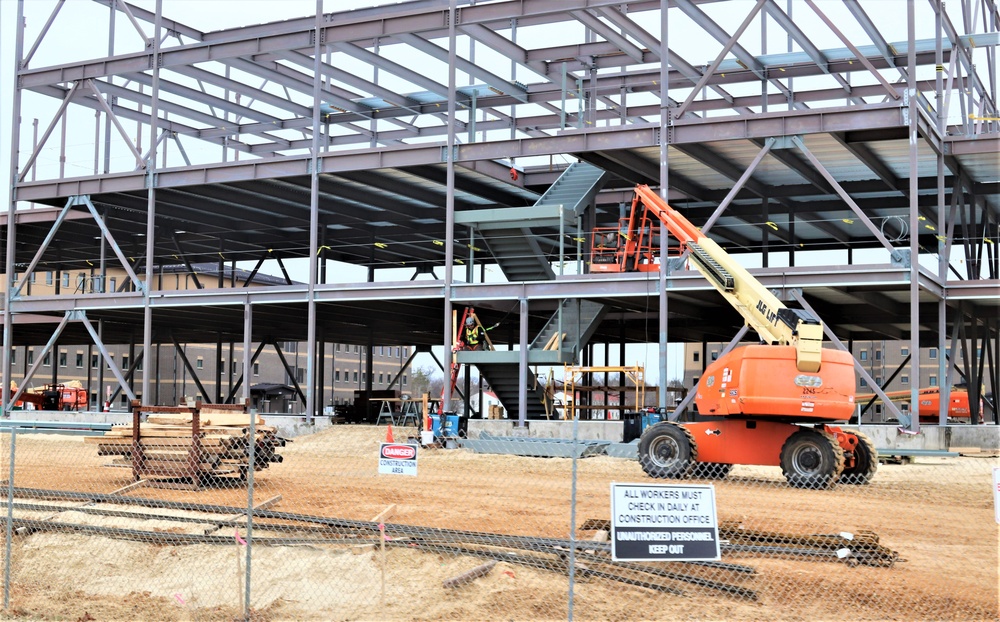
column 861, row 548
column 470, row 575
column 190, row 444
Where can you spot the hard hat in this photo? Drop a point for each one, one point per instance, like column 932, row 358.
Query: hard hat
column 469, row 321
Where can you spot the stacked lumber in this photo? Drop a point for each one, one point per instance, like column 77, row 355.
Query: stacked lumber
column 170, row 447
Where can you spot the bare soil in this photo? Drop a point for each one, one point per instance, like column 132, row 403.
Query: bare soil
column 937, row 514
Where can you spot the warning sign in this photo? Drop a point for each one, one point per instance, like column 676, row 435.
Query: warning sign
column 663, row 522
column 397, row 459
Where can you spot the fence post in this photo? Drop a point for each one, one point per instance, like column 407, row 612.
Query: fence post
column 251, row 458
column 10, row 523
column 572, row 515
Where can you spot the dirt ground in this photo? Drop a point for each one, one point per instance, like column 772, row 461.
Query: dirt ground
column 937, row 514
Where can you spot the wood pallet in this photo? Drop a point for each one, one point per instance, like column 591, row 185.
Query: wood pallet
column 189, row 446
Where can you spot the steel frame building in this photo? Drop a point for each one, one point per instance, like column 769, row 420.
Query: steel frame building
column 385, row 137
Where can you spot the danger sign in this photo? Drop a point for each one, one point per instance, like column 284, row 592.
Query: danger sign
column 397, row 459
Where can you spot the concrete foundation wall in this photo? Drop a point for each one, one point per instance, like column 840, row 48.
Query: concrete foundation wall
column 934, row 438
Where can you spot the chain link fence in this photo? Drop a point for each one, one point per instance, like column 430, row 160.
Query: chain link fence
column 342, row 530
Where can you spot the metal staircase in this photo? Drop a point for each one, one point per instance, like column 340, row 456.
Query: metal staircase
column 503, row 381
column 516, row 249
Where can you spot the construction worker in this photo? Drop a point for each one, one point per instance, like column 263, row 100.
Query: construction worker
column 475, row 334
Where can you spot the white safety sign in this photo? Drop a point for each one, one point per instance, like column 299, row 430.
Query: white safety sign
column 397, row 459
column 663, row 522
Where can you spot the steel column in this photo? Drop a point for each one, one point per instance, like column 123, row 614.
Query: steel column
column 450, row 202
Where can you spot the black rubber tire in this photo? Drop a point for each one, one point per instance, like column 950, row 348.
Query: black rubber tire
column 667, row 450
column 811, row 459
column 865, row 462
column 711, row 470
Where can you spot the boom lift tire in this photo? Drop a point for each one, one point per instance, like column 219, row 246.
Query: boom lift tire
column 667, row 450
column 812, row 459
column 711, row 470
column 865, row 462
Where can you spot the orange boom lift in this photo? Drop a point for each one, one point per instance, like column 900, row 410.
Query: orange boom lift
column 769, row 404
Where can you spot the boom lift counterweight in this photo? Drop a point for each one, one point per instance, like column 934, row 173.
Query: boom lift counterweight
column 752, row 400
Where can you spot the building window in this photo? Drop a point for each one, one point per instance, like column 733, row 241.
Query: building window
column 355, row 349
column 110, row 361
column 200, row 363
column 256, row 369
column 94, row 361
column 63, row 357
column 338, row 347
column 336, row 376
column 13, row 356
column 878, row 355
column 79, row 360
column 864, row 382
column 934, row 381
column 364, row 377
column 380, row 381
column 47, row 361
column 381, row 350
column 81, row 280
column 878, row 409
column 878, row 381
column 397, row 352
column 904, row 351
column 65, row 280
column 125, row 362
column 113, row 284
column 48, row 278
column 933, row 353
column 905, row 407
column 300, row 374
column 355, row 376
column 31, row 357
column 904, row 379
column 863, row 355
column 233, row 366
column 696, row 357
column 406, row 351
column 715, row 355
column 404, row 380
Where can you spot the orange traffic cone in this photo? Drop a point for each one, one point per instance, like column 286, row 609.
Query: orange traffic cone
column 388, row 434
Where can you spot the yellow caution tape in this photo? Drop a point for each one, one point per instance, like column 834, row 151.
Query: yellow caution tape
column 381, row 245
column 849, row 221
column 771, row 225
column 438, row 243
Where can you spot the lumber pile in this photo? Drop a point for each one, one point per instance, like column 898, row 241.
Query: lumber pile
column 191, row 443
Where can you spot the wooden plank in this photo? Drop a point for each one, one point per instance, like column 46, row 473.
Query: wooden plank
column 385, row 514
column 167, row 441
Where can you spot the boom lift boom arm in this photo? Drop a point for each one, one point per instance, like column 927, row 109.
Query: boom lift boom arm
column 763, row 311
